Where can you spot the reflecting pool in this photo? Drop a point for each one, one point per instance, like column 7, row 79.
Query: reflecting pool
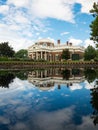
column 49, row 99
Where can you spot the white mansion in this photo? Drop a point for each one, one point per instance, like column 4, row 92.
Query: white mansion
column 47, row 50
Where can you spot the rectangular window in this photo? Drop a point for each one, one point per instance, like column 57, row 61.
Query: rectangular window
column 75, row 57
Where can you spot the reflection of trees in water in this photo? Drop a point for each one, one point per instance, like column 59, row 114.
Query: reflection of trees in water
column 66, row 74
column 21, row 75
column 90, row 75
column 6, row 79
column 94, row 102
column 75, row 72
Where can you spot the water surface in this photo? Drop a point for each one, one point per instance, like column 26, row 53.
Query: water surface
column 51, row 99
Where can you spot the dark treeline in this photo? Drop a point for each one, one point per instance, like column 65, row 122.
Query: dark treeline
column 8, row 53
column 6, row 50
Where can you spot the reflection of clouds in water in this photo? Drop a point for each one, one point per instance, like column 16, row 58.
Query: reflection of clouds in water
column 4, row 120
column 17, row 94
column 52, row 89
column 17, row 85
column 87, row 124
column 23, row 107
column 20, row 84
column 76, row 86
column 20, row 126
column 89, row 85
column 65, row 95
column 55, row 120
column 20, row 111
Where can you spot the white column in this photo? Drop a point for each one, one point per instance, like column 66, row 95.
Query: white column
column 37, row 73
column 32, row 56
column 41, row 55
column 36, row 55
column 41, row 74
column 45, row 73
column 50, row 57
column 45, row 56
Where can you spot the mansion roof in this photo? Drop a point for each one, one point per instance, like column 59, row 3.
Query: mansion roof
column 49, row 45
column 45, row 40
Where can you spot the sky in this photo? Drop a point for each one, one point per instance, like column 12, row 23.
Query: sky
column 22, row 22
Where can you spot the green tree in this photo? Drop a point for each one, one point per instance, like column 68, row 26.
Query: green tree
column 90, row 53
column 6, row 50
column 96, row 58
column 94, row 10
column 94, row 24
column 65, row 54
column 21, row 54
column 94, row 30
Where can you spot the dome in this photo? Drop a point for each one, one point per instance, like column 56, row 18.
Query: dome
column 45, row 40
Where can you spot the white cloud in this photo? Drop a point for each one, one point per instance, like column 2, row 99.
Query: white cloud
column 14, row 27
column 86, row 5
column 52, row 9
column 19, row 3
column 26, row 19
column 59, row 9
column 88, row 42
column 75, row 41
column 15, row 40
column 19, row 18
column 47, row 8
column 4, row 9
column 37, row 33
column 64, row 33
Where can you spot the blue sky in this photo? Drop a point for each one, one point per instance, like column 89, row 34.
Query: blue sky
column 22, row 22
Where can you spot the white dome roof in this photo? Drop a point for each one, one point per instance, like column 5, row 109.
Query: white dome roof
column 45, row 40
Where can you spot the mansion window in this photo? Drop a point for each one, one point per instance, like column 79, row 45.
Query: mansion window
column 44, row 44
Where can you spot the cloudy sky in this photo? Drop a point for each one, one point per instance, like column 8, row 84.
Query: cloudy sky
column 22, row 22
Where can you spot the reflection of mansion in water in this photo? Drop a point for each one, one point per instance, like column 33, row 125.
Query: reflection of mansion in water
column 47, row 50
column 46, row 79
